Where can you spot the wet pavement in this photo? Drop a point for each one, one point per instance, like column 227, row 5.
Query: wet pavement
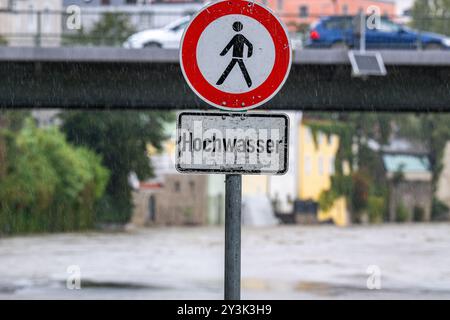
column 284, row 262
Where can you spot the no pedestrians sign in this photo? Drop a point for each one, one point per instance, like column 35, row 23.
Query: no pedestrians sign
column 235, row 55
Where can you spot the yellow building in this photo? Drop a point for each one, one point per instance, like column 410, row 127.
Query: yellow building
column 310, row 171
column 315, row 167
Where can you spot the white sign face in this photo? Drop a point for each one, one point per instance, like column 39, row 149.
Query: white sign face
column 239, row 62
column 250, row 143
column 235, row 55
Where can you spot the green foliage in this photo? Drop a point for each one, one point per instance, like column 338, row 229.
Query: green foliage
column 121, row 137
column 432, row 15
column 376, row 208
column 360, row 194
column 111, row 30
column 439, row 210
column 430, row 130
column 49, row 185
column 327, row 199
column 3, row 41
column 368, row 179
column 402, row 213
column 433, row 131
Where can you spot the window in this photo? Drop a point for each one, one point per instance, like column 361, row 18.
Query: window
column 304, row 11
column 308, row 168
column 180, row 27
column 280, row 4
column 47, row 21
column 339, row 24
column 309, row 137
column 345, row 9
column 332, row 167
column 321, row 139
column 321, row 166
column 32, row 20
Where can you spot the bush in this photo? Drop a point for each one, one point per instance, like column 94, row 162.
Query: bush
column 439, row 210
column 49, row 185
column 402, row 213
column 376, row 209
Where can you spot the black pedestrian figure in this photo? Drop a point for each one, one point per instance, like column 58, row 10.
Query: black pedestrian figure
column 237, row 43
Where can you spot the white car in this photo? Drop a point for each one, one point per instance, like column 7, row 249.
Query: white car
column 168, row 37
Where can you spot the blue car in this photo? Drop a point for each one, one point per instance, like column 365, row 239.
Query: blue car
column 339, row 32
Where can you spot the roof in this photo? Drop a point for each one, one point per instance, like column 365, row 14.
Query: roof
column 406, row 163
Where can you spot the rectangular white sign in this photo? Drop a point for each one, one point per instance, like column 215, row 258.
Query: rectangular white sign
column 233, row 143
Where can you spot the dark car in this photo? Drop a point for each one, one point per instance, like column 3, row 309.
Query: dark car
column 342, row 32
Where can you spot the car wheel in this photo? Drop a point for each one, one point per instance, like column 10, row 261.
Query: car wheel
column 339, row 46
column 433, row 46
column 151, row 45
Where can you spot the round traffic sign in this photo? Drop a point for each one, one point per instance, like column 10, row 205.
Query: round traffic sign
column 235, row 54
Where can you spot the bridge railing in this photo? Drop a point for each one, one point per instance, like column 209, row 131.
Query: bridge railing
column 111, row 26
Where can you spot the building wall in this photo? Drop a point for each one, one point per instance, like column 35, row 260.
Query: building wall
column 411, row 194
column 316, row 163
column 182, row 200
column 255, row 185
column 284, row 188
column 291, row 10
column 315, row 169
column 216, row 199
column 443, row 186
column 21, row 29
column 142, row 17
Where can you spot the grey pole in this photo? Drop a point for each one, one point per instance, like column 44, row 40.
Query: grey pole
column 362, row 44
column 233, row 199
column 38, row 38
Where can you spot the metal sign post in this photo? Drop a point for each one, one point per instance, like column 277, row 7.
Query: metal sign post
column 236, row 56
column 362, row 41
column 233, row 200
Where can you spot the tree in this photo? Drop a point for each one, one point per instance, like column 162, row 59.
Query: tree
column 366, row 183
column 48, row 184
column 430, row 130
column 121, row 137
column 111, row 30
column 432, row 15
column 11, row 120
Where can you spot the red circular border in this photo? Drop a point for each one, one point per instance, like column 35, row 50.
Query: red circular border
column 236, row 101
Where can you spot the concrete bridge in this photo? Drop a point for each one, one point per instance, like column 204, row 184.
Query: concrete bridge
column 105, row 78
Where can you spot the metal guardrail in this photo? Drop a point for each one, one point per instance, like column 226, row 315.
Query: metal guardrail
column 51, row 28
column 120, row 55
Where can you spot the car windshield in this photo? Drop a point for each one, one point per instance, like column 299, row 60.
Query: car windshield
column 178, row 25
column 388, row 26
column 343, row 23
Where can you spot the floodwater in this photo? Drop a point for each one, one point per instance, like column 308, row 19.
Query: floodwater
column 282, row 262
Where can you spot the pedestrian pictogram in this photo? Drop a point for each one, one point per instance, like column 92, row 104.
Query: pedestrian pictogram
column 235, row 55
column 237, row 43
